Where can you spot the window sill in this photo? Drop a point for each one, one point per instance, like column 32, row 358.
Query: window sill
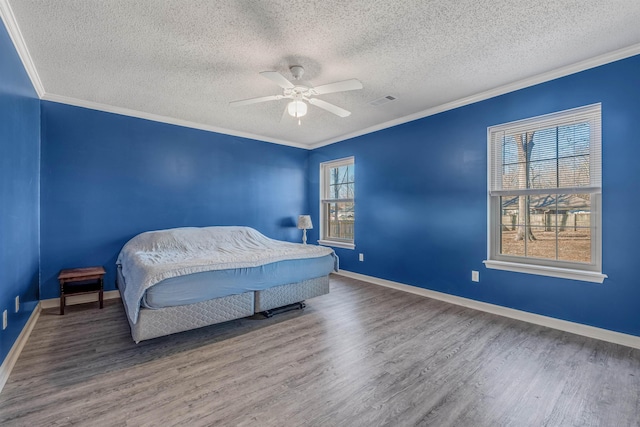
column 336, row 244
column 564, row 273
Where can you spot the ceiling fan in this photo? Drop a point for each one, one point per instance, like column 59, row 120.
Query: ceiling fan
column 300, row 95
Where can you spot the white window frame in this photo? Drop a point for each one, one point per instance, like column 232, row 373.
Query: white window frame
column 325, row 199
column 590, row 272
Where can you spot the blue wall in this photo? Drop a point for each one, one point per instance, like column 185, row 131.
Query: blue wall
column 106, row 178
column 19, row 188
column 421, row 201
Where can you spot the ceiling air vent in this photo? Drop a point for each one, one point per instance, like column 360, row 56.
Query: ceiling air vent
column 382, row 100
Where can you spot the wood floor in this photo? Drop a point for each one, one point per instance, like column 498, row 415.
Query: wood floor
column 361, row 356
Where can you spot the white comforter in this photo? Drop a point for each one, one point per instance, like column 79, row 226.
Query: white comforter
column 153, row 256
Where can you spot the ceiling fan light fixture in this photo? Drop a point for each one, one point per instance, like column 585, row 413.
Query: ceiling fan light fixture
column 297, row 108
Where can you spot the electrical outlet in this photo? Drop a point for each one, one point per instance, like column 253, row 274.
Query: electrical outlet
column 17, row 303
column 361, row 257
column 4, row 320
column 475, row 276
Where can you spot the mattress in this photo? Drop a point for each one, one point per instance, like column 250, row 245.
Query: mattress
column 197, row 287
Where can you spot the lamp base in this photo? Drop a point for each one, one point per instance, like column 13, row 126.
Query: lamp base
column 304, row 236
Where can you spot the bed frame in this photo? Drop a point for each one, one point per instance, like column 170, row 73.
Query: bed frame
column 170, row 320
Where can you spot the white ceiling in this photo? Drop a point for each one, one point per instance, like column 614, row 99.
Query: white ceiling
column 184, row 61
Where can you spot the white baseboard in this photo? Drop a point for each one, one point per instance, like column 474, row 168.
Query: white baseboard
column 79, row 299
column 550, row 322
column 17, row 347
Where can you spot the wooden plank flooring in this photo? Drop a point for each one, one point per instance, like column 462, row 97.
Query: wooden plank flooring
column 361, row 356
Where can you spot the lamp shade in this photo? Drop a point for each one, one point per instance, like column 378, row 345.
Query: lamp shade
column 304, row 222
column 297, row 108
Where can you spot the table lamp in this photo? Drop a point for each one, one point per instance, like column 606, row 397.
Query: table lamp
column 304, row 223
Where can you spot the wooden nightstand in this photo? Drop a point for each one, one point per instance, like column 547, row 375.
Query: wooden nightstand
column 78, row 281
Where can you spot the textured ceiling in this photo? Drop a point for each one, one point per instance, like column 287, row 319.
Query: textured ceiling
column 186, row 60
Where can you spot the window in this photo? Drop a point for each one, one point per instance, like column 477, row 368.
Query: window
column 545, row 190
column 337, row 203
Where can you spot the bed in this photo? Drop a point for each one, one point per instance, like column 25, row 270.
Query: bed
column 186, row 278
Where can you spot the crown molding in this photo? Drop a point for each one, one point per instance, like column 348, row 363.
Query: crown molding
column 164, row 119
column 13, row 29
column 501, row 90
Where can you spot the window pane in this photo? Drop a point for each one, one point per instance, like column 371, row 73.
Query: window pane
column 334, row 191
column 574, row 227
column 512, row 164
column 574, row 244
column 509, row 207
column 334, row 176
column 350, row 188
column 543, row 144
column 341, row 175
column 574, row 140
column 346, row 173
column 574, row 171
column 510, row 177
column 340, row 219
column 541, row 243
column 509, row 245
column 543, row 174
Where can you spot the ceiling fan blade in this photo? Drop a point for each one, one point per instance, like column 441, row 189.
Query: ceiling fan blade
column 255, row 100
column 345, row 85
column 285, row 113
column 278, row 79
column 329, row 107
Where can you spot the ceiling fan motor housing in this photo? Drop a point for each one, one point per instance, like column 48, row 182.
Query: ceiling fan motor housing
column 297, row 71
